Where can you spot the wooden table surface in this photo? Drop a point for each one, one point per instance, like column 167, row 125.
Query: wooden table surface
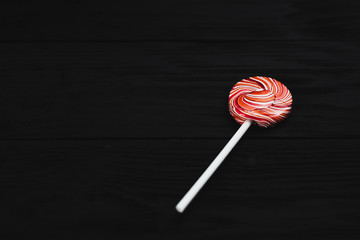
column 111, row 111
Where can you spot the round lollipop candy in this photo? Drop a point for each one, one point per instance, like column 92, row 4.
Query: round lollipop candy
column 260, row 100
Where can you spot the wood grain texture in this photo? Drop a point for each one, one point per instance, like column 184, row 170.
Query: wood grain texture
column 171, row 90
column 110, row 112
column 304, row 188
column 180, row 20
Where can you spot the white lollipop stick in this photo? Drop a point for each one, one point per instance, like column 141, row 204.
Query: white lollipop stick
column 184, row 202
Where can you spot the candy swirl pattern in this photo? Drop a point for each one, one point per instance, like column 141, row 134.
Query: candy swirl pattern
column 263, row 100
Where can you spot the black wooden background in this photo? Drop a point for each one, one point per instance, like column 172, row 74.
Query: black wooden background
column 111, row 111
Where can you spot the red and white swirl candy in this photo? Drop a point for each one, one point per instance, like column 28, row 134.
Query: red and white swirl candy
column 263, row 100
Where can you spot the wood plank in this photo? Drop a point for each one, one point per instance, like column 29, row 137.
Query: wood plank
column 303, row 187
column 172, row 90
column 180, row 20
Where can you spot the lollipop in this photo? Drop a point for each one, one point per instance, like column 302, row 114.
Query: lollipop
column 260, row 100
